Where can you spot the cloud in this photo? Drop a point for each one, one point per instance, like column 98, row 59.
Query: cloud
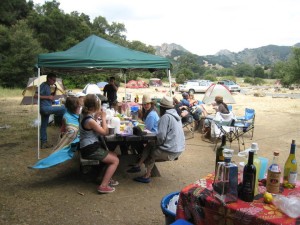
column 202, row 27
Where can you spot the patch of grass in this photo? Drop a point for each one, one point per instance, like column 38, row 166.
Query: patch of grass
column 16, row 119
column 10, row 92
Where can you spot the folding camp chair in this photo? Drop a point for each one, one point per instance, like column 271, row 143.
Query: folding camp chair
column 188, row 123
column 246, row 122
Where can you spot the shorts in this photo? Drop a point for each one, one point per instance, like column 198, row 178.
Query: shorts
column 94, row 151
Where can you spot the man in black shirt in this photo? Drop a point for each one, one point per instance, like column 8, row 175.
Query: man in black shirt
column 110, row 91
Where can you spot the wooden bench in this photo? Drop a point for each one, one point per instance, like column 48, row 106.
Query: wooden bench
column 86, row 164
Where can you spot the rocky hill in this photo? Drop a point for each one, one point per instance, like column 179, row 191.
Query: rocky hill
column 266, row 55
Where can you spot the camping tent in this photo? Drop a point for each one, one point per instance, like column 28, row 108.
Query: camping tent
column 101, row 84
column 95, row 53
column 136, row 84
column 32, row 85
column 91, row 89
column 155, row 82
column 218, row 90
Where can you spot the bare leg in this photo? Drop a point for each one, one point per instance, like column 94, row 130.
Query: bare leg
column 112, row 162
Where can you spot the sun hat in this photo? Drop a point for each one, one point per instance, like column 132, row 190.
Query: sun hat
column 80, row 94
column 146, row 99
column 167, row 102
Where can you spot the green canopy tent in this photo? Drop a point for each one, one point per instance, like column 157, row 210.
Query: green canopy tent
column 95, row 53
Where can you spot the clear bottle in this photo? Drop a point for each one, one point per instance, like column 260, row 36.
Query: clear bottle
column 226, row 179
column 273, row 177
column 219, row 152
column 247, row 192
column 290, row 168
column 257, row 164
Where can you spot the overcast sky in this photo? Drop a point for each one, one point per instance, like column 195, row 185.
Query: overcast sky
column 201, row 26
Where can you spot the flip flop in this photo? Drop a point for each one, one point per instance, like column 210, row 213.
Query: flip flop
column 134, row 169
column 142, row 179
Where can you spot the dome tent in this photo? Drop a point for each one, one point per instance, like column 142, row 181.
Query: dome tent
column 218, row 90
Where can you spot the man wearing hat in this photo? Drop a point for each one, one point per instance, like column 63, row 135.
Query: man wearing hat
column 170, row 139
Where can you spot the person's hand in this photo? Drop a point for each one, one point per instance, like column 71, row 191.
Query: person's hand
column 51, row 97
column 103, row 115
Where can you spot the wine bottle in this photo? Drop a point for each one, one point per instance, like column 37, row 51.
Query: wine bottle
column 219, row 152
column 273, row 177
column 290, row 168
column 248, row 184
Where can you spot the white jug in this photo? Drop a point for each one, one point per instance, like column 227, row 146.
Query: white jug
column 115, row 122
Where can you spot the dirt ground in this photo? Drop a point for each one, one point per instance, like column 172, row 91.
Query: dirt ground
column 62, row 195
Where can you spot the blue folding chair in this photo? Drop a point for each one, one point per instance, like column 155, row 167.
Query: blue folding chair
column 246, row 122
column 229, row 108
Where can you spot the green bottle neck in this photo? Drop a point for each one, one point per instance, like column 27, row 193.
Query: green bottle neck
column 293, row 149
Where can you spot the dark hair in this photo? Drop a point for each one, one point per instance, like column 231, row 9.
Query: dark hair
column 162, row 110
column 145, row 113
column 50, row 75
column 91, row 103
column 112, row 78
column 72, row 104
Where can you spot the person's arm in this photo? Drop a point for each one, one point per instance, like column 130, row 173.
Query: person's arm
column 105, row 91
column 100, row 129
column 115, row 86
column 162, row 129
column 43, row 93
column 185, row 102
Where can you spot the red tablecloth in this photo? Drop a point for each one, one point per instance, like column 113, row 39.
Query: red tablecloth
column 197, row 204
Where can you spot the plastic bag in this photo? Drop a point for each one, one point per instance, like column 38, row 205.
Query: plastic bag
column 172, row 206
column 290, row 205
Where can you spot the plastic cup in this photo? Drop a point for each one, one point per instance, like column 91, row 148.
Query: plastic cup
column 263, row 167
column 111, row 130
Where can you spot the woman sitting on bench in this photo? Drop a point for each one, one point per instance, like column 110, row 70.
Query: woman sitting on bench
column 91, row 147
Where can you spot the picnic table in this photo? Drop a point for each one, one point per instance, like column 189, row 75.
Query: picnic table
column 197, row 204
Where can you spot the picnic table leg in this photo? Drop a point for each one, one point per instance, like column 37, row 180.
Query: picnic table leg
column 155, row 172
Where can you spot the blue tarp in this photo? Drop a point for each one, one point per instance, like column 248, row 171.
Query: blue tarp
column 57, row 157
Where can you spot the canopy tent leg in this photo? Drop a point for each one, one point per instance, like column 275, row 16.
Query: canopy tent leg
column 170, row 81
column 38, row 114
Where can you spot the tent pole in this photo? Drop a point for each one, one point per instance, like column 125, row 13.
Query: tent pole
column 170, row 81
column 124, row 73
column 38, row 116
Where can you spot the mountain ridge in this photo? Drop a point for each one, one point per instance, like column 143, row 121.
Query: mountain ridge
column 265, row 55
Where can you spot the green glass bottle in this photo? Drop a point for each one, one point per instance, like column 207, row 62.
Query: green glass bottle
column 290, row 168
column 248, row 185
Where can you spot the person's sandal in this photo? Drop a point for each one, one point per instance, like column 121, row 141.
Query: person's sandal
column 105, row 190
column 134, row 169
column 113, row 183
column 142, row 179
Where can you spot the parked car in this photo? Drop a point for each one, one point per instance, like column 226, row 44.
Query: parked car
column 232, row 86
column 194, row 86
